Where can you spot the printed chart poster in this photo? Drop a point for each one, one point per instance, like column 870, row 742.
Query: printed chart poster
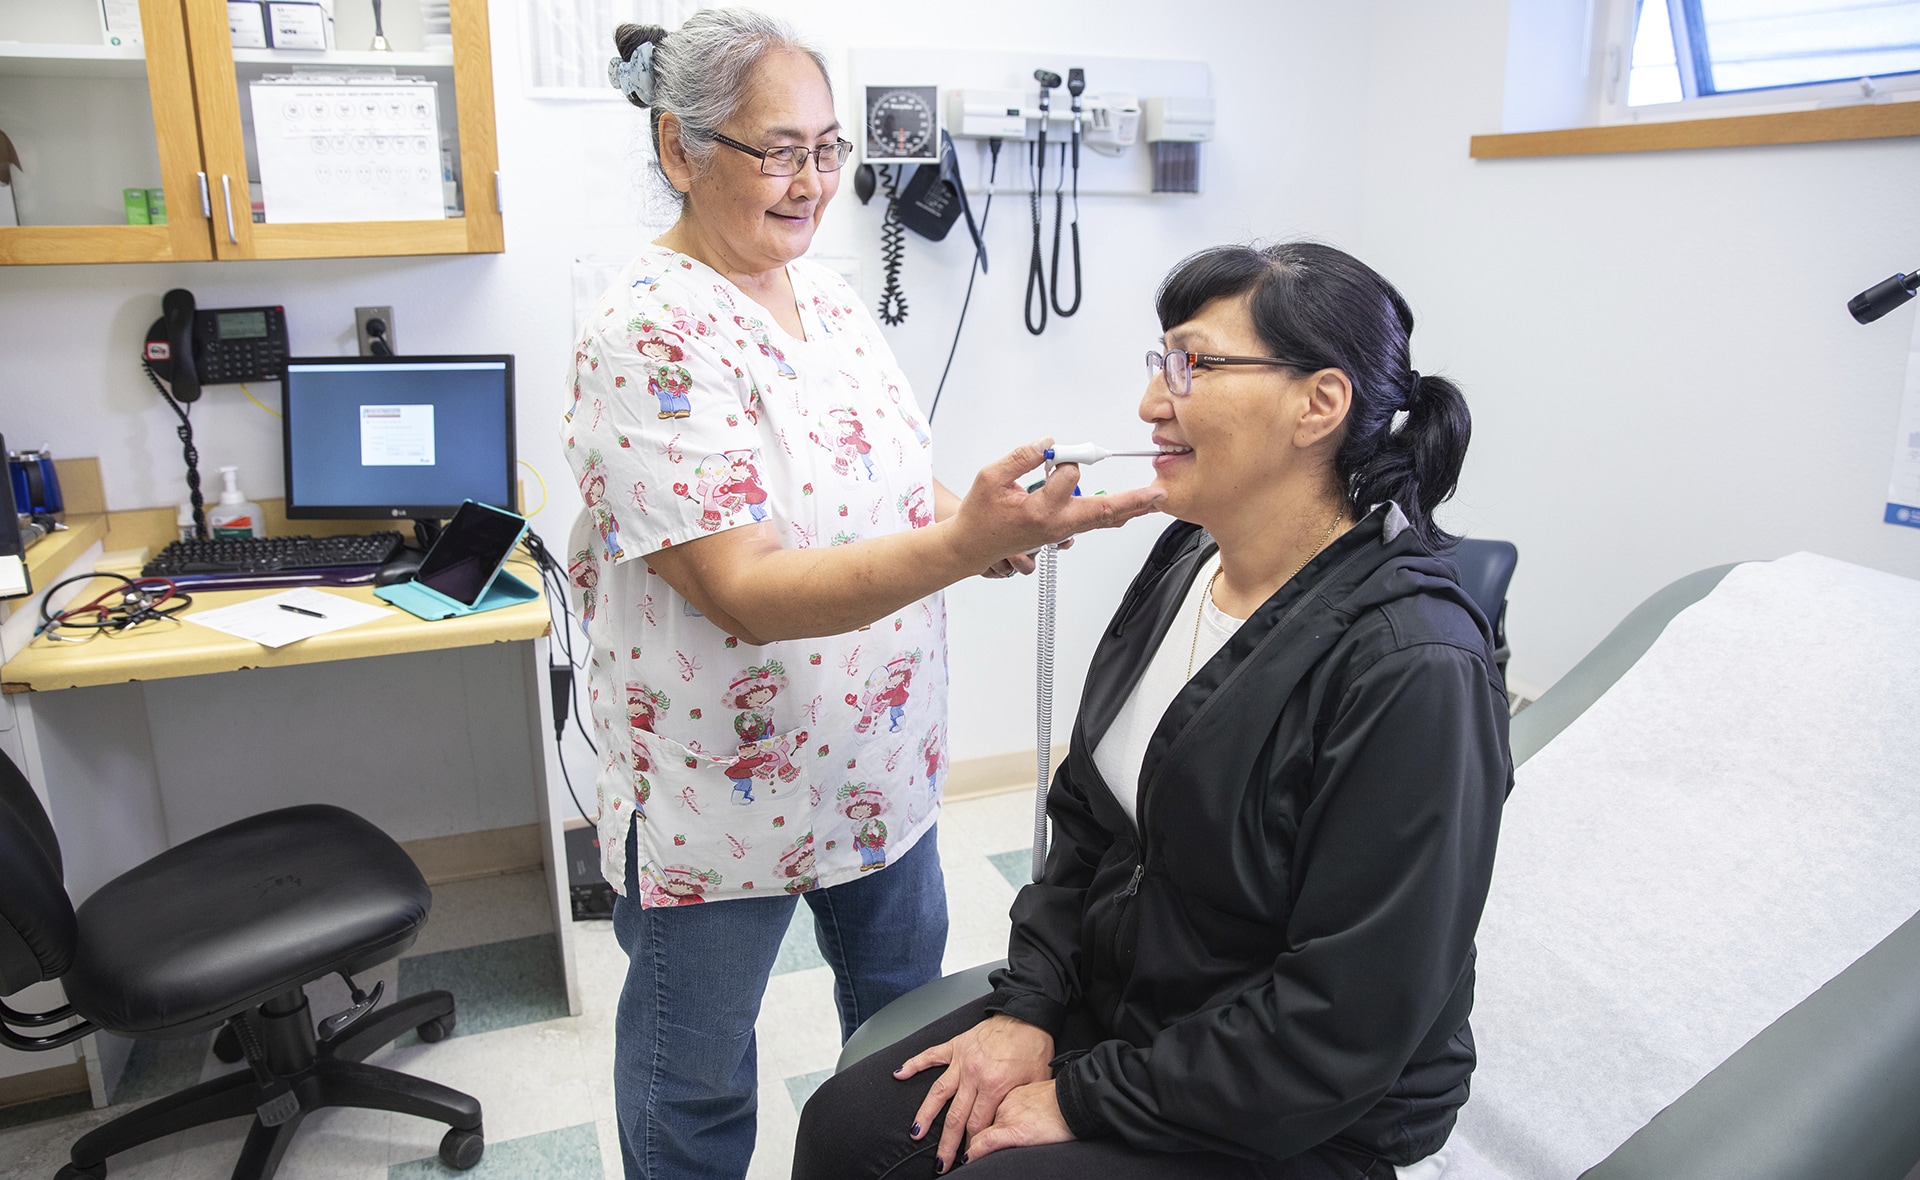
column 348, row 150
column 1903, row 491
column 396, row 436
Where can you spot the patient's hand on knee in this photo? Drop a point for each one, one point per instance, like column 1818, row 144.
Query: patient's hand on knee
column 1029, row 1117
column 985, row 1064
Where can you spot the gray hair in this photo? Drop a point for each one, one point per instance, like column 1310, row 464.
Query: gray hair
column 701, row 71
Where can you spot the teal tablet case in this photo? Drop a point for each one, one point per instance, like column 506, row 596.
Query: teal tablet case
column 429, row 603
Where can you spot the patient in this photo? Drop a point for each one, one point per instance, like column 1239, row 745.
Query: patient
column 1252, row 951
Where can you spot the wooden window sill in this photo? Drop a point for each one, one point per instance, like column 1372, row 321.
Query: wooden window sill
column 1877, row 121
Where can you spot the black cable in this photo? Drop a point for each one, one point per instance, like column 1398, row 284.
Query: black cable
column 893, row 246
column 553, row 579
column 1059, row 201
column 1036, row 265
column 185, row 431
column 993, row 170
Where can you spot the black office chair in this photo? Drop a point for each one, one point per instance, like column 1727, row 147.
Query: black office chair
column 224, row 930
column 1486, row 567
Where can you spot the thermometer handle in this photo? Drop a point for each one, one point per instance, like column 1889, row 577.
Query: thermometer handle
column 1077, row 453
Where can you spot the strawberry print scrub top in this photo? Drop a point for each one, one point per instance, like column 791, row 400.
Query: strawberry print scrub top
column 747, row 770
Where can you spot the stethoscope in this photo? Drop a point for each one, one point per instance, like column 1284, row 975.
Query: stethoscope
column 1038, row 293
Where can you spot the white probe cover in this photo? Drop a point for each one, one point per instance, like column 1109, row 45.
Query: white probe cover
column 1078, row 453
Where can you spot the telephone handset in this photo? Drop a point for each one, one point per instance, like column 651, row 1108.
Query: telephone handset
column 188, row 348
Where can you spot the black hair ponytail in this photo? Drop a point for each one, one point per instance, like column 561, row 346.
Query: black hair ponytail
column 1417, row 463
column 1316, row 308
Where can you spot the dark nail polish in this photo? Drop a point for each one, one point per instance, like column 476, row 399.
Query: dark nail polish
column 967, row 1158
column 916, row 1130
column 939, row 1166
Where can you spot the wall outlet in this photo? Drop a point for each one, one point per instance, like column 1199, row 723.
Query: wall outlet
column 362, row 316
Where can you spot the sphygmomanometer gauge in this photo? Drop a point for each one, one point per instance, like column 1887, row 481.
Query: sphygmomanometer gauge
column 903, row 125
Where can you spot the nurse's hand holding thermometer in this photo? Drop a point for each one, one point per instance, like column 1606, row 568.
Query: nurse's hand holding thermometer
column 1058, row 455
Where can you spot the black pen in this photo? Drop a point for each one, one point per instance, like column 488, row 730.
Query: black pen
column 301, row 610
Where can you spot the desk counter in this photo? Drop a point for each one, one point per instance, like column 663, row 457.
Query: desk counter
column 158, row 651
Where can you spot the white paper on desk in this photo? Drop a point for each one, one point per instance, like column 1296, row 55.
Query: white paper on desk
column 262, row 620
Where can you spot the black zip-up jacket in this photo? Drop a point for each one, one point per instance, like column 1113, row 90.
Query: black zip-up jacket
column 1281, row 953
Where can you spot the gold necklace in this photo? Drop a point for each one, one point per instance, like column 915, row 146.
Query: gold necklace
column 1194, row 650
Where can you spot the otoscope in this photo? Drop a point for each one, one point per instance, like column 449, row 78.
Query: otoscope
column 1036, row 265
column 1048, row 560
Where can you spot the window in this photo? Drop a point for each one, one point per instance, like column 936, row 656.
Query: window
column 1827, row 50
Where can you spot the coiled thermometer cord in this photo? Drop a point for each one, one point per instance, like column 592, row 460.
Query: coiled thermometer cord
column 1048, row 560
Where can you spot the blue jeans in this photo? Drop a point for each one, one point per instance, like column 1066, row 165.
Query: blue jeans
column 684, row 1067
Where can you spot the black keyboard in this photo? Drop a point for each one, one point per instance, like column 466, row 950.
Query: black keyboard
column 271, row 554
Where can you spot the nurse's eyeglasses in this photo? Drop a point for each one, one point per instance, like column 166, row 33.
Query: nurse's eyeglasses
column 1179, row 366
column 788, row 161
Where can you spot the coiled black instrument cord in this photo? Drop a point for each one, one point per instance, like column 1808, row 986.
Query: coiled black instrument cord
column 893, row 244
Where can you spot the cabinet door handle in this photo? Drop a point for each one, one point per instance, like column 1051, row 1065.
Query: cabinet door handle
column 206, row 202
column 226, row 190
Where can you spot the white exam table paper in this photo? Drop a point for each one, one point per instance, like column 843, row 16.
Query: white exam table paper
column 262, row 620
column 1728, row 827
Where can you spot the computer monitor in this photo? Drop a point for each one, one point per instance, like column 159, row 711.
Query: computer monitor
column 387, row 437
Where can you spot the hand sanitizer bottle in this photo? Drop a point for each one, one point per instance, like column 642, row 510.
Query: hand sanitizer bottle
column 236, row 516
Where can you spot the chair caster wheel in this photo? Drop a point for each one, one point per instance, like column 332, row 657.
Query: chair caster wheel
column 437, row 1029
column 461, row 1150
column 226, row 1045
column 99, row 1171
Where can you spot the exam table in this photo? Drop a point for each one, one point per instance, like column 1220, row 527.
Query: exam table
column 1800, row 1072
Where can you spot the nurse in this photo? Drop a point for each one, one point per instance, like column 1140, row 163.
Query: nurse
column 760, row 582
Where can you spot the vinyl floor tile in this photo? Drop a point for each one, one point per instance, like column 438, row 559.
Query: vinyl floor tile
column 495, row 985
column 1015, row 865
column 570, row 1153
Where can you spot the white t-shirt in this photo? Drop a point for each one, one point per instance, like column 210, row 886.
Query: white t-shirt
column 1199, row 630
column 1202, row 629
column 748, row 770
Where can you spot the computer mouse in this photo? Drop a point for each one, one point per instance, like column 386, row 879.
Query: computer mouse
column 401, row 568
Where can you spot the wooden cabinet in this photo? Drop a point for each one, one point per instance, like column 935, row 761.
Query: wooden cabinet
column 57, row 97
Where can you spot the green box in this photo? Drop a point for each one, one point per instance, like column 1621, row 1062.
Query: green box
column 136, row 199
column 156, row 206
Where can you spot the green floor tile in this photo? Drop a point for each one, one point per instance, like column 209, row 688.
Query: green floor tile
column 571, row 1153
column 156, row 1068
column 801, row 1088
column 799, row 950
column 40, row 1111
column 1016, row 866
column 495, row 985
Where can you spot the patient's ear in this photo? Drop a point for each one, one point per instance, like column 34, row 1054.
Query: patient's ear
column 1328, row 395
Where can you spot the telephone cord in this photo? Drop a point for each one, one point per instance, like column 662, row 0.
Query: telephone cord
column 993, row 171
column 185, row 431
column 1059, row 203
column 1036, row 264
column 893, row 237
column 1043, row 697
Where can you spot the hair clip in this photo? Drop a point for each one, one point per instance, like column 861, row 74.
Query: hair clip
column 634, row 76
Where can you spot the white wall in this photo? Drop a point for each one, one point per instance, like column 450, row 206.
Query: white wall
column 1655, row 346
column 1288, row 162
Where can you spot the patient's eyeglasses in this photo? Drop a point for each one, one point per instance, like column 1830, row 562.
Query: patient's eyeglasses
column 1179, row 366
column 789, row 160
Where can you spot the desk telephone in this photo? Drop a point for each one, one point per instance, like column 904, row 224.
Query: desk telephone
column 188, row 347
